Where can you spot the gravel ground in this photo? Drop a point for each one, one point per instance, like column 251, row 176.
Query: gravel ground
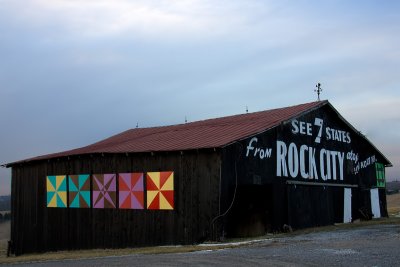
column 377, row 245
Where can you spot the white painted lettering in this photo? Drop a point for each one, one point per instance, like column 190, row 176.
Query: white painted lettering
column 302, row 127
column 322, row 156
column 328, row 133
column 250, row 147
column 293, row 160
column 295, row 126
column 341, row 161
column 303, row 172
column 328, row 165
column 348, row 138
column 281, row 152
column 268, row 152
column 333, row 156
column 337, row 135
column 262, row 154
column 318, row 122
column 312, row 164
column 309, row 129
column 258, row 151
column 352, row 156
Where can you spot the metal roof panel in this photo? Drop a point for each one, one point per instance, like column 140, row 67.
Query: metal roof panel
column 211, row 133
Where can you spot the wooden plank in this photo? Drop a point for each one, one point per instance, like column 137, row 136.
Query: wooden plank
column 38, row 228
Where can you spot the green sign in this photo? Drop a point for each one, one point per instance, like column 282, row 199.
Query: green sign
column 380, row 175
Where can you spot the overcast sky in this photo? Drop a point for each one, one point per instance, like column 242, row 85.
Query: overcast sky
column 74, row 72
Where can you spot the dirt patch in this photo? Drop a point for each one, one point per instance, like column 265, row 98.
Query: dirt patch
column 393, row 204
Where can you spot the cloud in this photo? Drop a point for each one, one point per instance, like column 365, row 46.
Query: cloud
column 103, row 66
column 150, row 19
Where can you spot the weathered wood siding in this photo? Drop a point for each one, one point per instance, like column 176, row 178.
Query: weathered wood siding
column 37, row 228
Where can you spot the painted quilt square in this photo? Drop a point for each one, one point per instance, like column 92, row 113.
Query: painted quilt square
column 131, row 195
column 160, row 190
column 56, row 186
column 79, row 191
column 104, row 191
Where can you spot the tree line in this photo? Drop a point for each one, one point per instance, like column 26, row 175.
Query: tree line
column 5, row 217
column 5, row 203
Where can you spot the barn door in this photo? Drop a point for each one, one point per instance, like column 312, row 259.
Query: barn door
column 347, row 205
column 375, row 207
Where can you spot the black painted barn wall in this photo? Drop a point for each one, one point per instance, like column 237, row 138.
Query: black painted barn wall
column 255, row 199
column 36, row 228
column 250, row 180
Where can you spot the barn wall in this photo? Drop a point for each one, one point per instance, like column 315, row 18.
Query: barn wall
column 255, row 202
column 310, row 206
column 302, row 168
column 35, row 227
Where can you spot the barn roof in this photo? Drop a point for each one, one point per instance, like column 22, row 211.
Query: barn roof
column 211, row 133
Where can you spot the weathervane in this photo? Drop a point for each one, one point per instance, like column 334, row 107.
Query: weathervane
column 318, row 90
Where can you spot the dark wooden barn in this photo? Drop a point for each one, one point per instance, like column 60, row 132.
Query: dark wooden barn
column 241, row 175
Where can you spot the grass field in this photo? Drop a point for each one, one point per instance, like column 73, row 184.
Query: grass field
column 393, row 204
column 5, row 230
column 4, row 237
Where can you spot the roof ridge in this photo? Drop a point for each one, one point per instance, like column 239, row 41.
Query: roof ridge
column 231, row 116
